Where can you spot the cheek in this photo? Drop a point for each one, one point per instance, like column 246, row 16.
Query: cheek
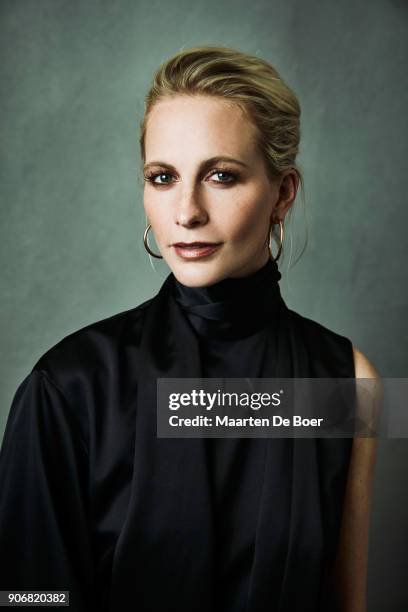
column 248, row 221
column 156, row 215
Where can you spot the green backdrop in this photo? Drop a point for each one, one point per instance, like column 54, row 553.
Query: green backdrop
column 73, row 78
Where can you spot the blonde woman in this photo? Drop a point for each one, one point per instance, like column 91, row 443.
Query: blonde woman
column 92, row 501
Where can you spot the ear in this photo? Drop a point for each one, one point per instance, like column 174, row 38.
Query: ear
column 288, row 186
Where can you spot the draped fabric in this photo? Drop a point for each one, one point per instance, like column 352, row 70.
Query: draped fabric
column 93, row 502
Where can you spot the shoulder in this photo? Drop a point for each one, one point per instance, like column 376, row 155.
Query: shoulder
column 313, row 329
column 369, row 398
column 331, row 341
column 363, row 366
column 94, row 348
column 330, row 352
column 72, row 384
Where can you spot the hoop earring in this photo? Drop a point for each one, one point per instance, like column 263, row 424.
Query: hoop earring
column 146, row 245
column 281, row 234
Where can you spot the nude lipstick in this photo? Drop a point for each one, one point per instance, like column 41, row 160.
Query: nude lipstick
column 195, row 250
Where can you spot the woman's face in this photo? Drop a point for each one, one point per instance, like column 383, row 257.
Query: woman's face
column 191, row 195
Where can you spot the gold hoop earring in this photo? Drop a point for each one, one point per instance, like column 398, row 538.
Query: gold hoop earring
column 146, row 245
column 281, row 234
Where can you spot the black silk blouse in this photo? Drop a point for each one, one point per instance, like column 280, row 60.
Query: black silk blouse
column 91, row 501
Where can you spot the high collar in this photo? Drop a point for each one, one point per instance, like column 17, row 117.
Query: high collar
column 232, row 307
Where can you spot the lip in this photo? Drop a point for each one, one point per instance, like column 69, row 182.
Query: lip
column 188, row 251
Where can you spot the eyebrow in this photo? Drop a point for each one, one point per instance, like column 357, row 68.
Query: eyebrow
column 203, row 165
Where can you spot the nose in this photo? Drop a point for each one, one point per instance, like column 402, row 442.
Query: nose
column 189, row 211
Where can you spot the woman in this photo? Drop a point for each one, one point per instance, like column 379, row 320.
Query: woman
column 92, row 500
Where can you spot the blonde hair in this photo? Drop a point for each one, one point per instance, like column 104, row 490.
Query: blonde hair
column 250, row 82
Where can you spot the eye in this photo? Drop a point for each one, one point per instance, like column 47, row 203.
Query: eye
column 151, row 178
column 219, row 171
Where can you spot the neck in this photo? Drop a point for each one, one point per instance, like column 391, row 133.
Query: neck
column 233, row 306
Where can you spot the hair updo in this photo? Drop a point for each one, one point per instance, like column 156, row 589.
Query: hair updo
column 249, row 81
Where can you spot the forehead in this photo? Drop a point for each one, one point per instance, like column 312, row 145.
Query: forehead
column 207, row 124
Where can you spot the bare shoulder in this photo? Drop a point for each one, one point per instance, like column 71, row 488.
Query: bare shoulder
column 363, row 366
column 364, row 448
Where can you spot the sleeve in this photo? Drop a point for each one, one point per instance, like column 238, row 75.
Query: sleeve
column 44, row 534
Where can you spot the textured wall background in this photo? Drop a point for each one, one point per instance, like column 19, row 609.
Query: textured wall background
column 73, row 77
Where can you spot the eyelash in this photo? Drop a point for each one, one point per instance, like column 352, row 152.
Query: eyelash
column 151, row 177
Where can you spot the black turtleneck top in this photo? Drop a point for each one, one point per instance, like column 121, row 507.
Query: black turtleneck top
column 231, row 320
column 93, row 502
